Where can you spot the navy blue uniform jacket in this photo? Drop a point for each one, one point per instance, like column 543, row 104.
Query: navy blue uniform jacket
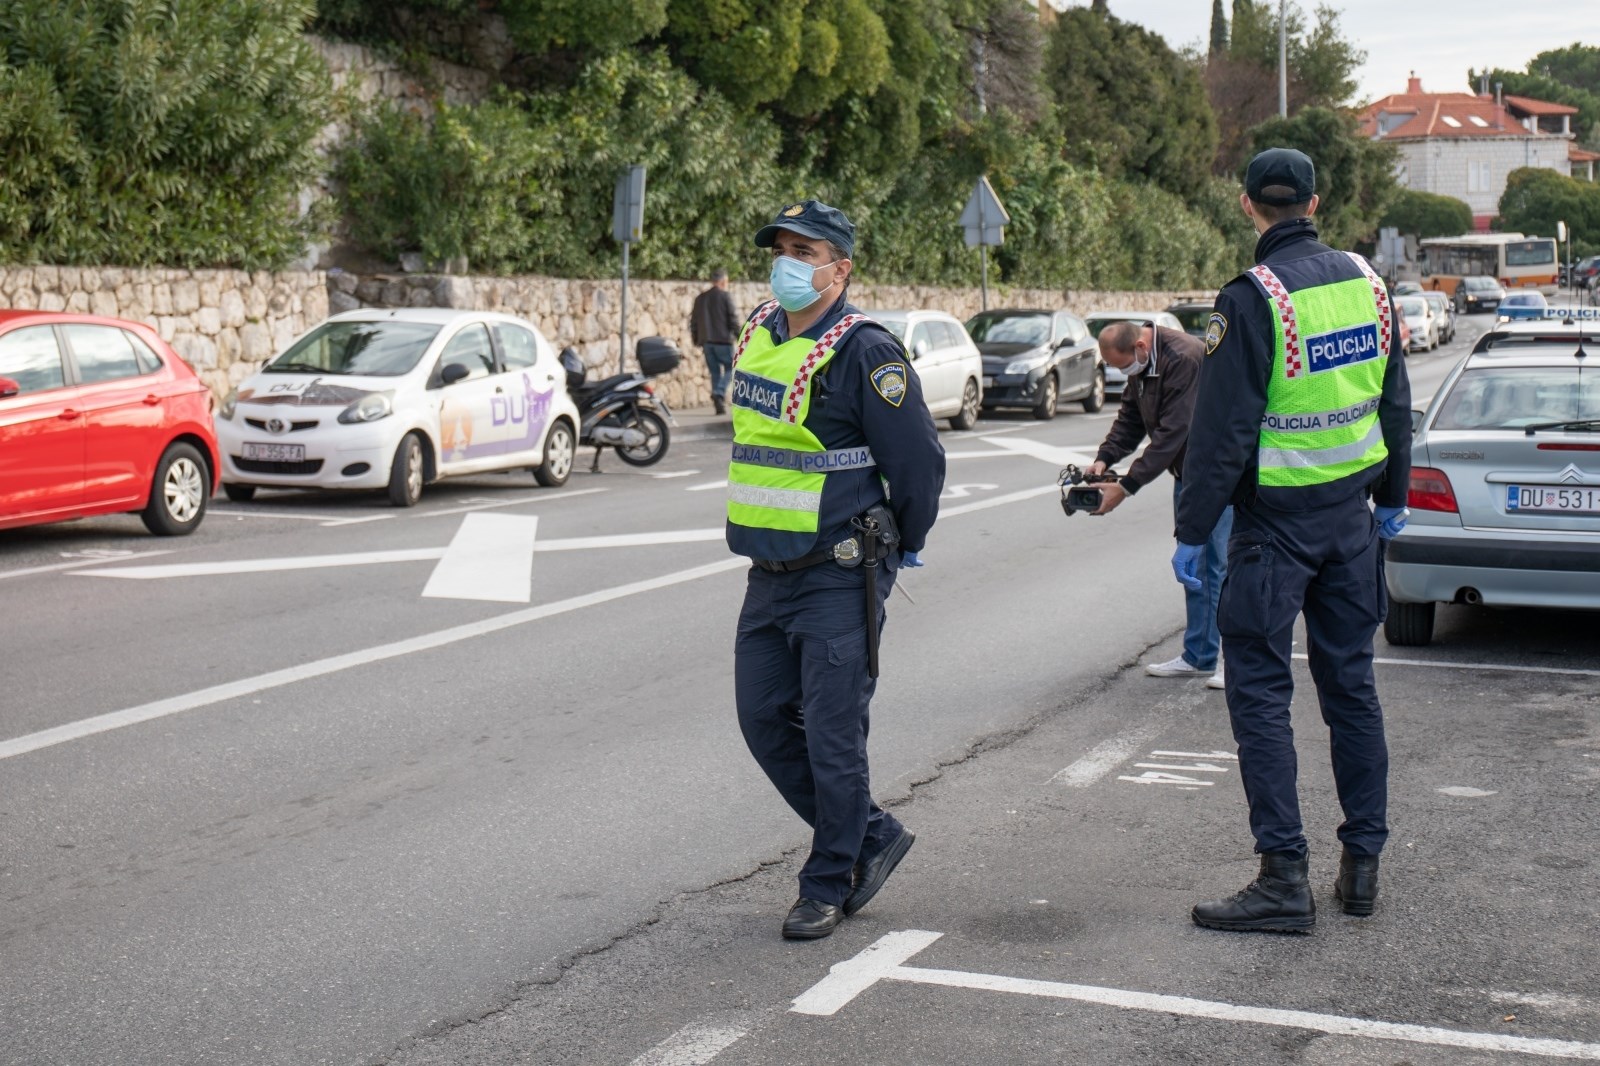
column 1226, row 431
column 848, row 411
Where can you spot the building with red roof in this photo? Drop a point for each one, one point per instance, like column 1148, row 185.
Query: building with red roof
column 1464, row 144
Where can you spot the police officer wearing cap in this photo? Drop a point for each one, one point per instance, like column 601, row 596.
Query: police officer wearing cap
column 833, row 486
column 1304, row 412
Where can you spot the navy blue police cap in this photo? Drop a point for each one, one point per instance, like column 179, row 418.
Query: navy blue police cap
column 814, row 219
column 1280, row 176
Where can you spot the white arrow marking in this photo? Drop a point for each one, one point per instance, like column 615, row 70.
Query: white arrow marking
column 490, row 558
column 1057, row 457
column 675, row 473
column 957, row 492
column 72, row 566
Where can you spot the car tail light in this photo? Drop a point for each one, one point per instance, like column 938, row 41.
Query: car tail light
column 648, row 389
column 1569, row 447
column 1430, row 491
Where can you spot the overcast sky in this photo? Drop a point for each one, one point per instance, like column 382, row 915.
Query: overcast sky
column 1438, row 40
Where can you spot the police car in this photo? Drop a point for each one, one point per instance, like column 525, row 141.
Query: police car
column 378, row 399
column 1505, row 481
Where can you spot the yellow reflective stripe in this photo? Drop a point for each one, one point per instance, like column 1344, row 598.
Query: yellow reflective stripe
column 754, row 517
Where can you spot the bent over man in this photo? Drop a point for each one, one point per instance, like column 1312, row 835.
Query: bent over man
column 1303, row 413
column 833, row 485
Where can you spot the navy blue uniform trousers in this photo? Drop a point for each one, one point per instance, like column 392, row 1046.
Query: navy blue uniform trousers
column 801, row 684
column 1327, row 563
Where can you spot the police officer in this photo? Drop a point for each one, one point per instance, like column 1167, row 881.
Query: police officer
column 833, row 448
column 1303, row 413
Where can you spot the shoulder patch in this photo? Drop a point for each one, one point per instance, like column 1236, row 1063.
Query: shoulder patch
column 1216, row 329
column 890, row 382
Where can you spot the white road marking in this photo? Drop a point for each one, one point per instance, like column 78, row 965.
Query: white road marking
column 320, row 519
column 961, row 492
column 1198, row 768
column 1465, row 791
column 634, row 540
column 708, row 485
column 693, row 1045
column 514, row 502
column 995, row 454
column 1197, row 755
column 333, row 664
column 489, row 558
column 1482, row 666
column 1056, row 457
column 1154, row 777
column 883, row 961
column 675, row 473
column 1102, row 759
column 999, row 501
column 24, row 572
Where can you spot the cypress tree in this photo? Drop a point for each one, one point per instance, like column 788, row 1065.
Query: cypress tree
column 1219, row 29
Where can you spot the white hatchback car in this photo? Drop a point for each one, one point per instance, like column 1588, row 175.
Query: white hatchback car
column 393, row 399
column 948, row 363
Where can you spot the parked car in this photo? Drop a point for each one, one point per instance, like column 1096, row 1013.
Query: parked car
column 1035, row 359
column 1444, row 314
column 947, row 361
column 1116, row 380
column 100, row 416
column 1586, row 273
column 1522, row 305
column 1505, row 482
column 375, row 399
column 1407, row 288
column 1195, row 315
column 1478, row 292
column 1419, row 318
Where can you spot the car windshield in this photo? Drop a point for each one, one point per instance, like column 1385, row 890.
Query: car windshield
column 375, row 349
column 1480, row 284
column 1097, row 324
column 1511, row 397
column 1413, row 306
column 1010, row 329
column 1194, row 319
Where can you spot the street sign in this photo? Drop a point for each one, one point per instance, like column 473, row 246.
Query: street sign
column 627, row 206
column 1561, row 231
column 984, row 216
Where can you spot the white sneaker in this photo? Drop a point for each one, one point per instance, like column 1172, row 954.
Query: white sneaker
column 1178, row 667
column 1215, row 680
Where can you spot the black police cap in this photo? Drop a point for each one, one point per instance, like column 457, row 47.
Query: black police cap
column 1288, row 173
column 814, row 219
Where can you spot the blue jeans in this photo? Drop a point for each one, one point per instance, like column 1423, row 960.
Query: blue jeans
column 719, row 360
column 1201, row 641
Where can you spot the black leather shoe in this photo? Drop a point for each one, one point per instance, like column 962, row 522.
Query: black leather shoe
column 1277, row 901
column 1357, row 886
column 810, row 919
column 870, row 875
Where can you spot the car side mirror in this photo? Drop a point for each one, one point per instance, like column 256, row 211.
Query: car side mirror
column 8, row 388
column 453, row 372
column 921, row 348
column 1416, row 420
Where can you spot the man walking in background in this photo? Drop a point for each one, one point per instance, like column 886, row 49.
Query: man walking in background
column 713, row 324
column 1163, row 367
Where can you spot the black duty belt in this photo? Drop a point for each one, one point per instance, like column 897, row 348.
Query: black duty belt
column 784, row 566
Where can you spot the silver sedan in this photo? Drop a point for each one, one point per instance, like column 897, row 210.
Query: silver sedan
column 1505, row 481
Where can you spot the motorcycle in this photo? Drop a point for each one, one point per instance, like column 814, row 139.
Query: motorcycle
column 622, row 411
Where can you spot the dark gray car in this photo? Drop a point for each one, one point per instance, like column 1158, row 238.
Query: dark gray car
column 1035, row 359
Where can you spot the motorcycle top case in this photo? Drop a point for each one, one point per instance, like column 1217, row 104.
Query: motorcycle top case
column 657, row 355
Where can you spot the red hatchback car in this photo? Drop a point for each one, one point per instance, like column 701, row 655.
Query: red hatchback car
column 100, row 416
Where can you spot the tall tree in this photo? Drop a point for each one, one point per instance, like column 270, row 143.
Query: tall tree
column 1219, row 30
column 1355, row 175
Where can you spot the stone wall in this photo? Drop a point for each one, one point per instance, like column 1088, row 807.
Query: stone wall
column 371, row 75
column 587, row 314
column 224, row 323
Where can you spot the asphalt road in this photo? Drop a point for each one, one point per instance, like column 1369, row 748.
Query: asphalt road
column 277, row 813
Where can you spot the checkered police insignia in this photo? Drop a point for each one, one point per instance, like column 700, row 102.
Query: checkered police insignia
column 797, row 209
column 1216, row 329
column 1278, row 295
column 890, row 382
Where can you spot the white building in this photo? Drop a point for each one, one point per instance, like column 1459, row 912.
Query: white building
column 1462, row 145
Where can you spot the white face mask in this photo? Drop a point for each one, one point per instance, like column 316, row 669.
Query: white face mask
column 1137, row 367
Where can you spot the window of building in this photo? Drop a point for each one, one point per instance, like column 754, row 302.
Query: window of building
column 1478, row 122
column 1453, row 123
column 1478, row 177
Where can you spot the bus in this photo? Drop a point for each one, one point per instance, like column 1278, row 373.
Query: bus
column 1516, row 261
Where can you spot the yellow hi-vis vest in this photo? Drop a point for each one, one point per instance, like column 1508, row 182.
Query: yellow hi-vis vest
column 778, row 467
column 1332, row 336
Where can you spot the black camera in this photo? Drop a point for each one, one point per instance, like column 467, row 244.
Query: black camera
column 1078, row 492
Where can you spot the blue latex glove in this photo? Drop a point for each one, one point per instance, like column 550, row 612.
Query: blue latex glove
column 1186, row 564
column 1391, row 520
column 909, row 559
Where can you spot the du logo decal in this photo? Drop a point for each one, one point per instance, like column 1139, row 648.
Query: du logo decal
column 757, row 394
column 890, row 381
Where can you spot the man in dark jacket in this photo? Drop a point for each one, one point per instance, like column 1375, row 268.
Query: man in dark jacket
column 1163, row 366
column 713, row 324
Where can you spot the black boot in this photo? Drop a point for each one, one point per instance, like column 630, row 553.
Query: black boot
column 717, row 405
column 1277, row 901
column 1357, row 886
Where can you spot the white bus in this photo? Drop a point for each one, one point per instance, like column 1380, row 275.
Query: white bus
column 1514, row 260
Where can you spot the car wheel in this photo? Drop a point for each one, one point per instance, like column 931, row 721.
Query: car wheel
column 178, row 493
column 240, row 493
column 1049, row 392
column 1097, row 394
column 967, row 417
column 656, row 440
column 406, row 472
column 1409, row 625
column 559, row 448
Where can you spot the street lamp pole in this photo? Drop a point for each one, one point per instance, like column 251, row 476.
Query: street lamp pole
column 1283, row 62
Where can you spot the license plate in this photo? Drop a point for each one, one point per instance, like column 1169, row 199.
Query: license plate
column 1559, row 499
column 276, row 453
column 988, row 383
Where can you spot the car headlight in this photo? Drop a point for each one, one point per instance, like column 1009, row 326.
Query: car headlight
column 229, row 403
column 370, row 408
column 1027, row 365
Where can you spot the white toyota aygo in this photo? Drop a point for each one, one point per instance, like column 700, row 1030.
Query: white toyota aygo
column 376, row 399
